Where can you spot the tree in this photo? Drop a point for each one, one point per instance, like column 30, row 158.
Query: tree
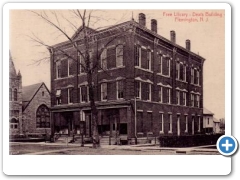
column 89, row 66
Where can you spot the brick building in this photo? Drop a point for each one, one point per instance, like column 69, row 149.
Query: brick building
column 15, row 99
column 35, row 106
column 136, row 67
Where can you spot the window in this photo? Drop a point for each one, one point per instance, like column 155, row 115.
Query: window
column 160, row 64
column 192, row 100
column 138, row 56
column 178, row 125
column 148, row 91
column 208, row 120
column 42, row 93
column 81, row 64
column 184, row 98
column 168, row 95
column 83, row 94
column 161, row 123
column 104, row 59
column 10, row 94
column 181, row 71
column 43, row 117
column 192, row 75
column 160, row 94
column 178, row 97
column 70, row 67
column 186, row 123
column 58, row 69
column 170, row 123
column 149, row 54
column 70, row 95
column 119, row 55
column 177, row 70
column 197, row 78
column 197, row 101
column 15, row 98
column 13, row 123
column 120, row 89
column 104, row 91
column 58, row 97
column 168, row 66
column 138, row 89
column 185, row 73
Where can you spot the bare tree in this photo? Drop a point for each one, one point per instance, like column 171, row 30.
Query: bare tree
column 88, row 37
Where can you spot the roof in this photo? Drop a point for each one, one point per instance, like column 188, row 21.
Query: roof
column 28, row 93
column 206, row 111
column 216, row 120
column 76, row 36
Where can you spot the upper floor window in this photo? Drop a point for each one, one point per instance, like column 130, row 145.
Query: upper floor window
column 42, row 93
column 13, row 123
column 160, row 93
column 160, row 64
column 148, row 91
column 177, row 97
column 58, row 69
column 119, row 55
column 104, row 91
column 197, row 104
column 104, row 59
column 195, row 79
column 70, row 67
column 70, row 95
column 184, row 95
column 168, row 66
column 81, row 64
column 43, row 117
column 120, row 89
column 192, row 100
column 84, row 94
column 138, row 89
column 168, row 95
column 10, row 94
column 149, row 57
column 138, row 56
column 15, row 95
column 58, row 97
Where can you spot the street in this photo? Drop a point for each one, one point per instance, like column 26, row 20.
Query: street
column 74, row 149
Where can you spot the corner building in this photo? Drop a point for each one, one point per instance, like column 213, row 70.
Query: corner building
column 145, row 84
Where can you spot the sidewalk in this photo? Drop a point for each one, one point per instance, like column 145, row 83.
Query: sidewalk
column 139, row 147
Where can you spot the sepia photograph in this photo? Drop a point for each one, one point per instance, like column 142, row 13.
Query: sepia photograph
column 116, row 81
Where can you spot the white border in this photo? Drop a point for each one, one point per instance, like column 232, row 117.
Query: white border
column 127, row 165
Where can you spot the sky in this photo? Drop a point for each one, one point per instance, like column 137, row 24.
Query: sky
column 207, row 39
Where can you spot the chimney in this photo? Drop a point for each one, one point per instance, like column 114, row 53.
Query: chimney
column 173, row 36
column 142, row 19
column 188, row 45
column 154, row 25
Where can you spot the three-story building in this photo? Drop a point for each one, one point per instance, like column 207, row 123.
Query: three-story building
column 144, row 83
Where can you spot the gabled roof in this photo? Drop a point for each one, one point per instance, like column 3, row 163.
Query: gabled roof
column 78, row 33
column 207, row 112
column 216, row 120
column 28, row 93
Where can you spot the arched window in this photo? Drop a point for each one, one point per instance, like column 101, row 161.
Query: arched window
column 13, row 123
column 15, row 95
column 10, row 94
column 43, row 117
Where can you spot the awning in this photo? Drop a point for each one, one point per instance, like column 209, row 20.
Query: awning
column 58, row 93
